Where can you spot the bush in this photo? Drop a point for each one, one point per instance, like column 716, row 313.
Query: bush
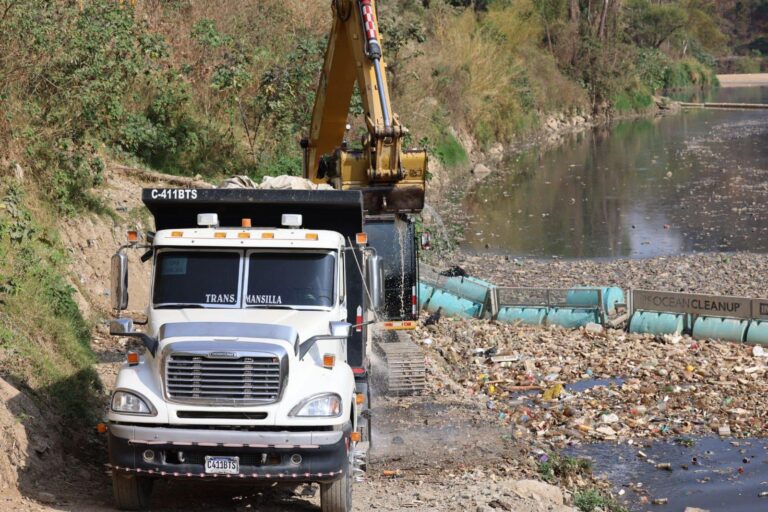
column 450, row 151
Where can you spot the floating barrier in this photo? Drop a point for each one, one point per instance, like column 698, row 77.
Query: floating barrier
column 648, row 311
column 726, row 329
column 652, row 322
column 758, row 332
column 591, row 297
column 528, row 316
column 469, row 288
column 573, row 318
column 451, row 305
column 425, row 293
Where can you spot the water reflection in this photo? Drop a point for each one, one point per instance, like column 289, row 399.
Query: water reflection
column 690, row 182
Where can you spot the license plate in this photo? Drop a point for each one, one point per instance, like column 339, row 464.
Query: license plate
column 222, row 465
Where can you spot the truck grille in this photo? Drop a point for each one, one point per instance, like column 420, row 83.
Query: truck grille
column 197, row 378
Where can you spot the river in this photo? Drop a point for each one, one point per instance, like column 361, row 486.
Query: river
column 691, row 182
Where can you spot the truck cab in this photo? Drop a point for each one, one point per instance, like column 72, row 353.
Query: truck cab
column 247, row 371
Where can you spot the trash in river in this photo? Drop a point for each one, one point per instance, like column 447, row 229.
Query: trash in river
column 552, row 393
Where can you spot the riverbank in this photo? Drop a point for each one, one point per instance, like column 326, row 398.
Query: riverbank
column 743, row 80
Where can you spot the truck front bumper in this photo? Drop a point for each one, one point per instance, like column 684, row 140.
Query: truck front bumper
column 319, row 456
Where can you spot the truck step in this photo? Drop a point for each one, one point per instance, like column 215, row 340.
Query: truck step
column 406, row 366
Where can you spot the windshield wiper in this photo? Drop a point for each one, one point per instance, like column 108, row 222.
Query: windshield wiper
column 179, row 305
column 272, row 306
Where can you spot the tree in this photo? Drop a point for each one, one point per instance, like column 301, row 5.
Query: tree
column 651, row 25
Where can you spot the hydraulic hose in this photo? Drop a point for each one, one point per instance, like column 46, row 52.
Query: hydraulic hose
column 373, row 51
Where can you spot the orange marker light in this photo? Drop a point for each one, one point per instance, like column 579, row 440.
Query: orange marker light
column 177, row 234
column 311, row 236
column 243, row 235
column 361, row 238
column 355, row 437
column 359, row 399
column 246, row 223
column 133, row 236
column 220, row 234
column 268, row 235
column 132, row 358
column 329, row 360
column 101, row 428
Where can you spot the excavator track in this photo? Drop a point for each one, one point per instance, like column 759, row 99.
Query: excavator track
column 406, row 371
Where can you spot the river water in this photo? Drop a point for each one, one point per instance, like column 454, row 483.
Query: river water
column 692, row 182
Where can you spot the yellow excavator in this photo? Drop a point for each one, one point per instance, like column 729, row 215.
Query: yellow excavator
column 390, row 177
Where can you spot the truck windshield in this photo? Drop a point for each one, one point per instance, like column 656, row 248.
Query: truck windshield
column 288, row 278
column 197, row 278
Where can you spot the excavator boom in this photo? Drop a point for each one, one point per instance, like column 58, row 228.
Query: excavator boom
column 391, row 178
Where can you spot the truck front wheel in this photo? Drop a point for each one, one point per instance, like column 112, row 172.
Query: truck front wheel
column 132, row 492
column 337, row 496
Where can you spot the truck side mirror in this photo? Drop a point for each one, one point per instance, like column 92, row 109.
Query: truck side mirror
column 340, row 329
column 119, row 281
column 124, row 327
column 375, row 278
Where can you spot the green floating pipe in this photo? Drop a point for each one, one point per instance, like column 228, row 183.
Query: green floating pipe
column 425, row 293
column 651, row 322
column 588, row 297
column 469, row 288
column 758, row 333
column 528, row 316
column 716, row 328
column 572, row 318
column 451, row 305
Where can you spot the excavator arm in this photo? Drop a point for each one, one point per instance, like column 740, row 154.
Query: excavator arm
column 391, row 178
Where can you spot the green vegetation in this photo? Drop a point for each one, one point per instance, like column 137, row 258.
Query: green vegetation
column 560, row 468
column 592, row 500
column 44, row 338
column 450, row 151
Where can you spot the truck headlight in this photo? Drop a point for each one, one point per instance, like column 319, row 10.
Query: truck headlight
column 127, row 402
column 327, row 405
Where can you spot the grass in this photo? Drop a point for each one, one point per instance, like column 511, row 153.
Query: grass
column 557, row 467
column 450, row 151
column 44, row 339
column 592, row 500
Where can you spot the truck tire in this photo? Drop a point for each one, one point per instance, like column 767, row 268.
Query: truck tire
column 337, row 495
column 131, row 492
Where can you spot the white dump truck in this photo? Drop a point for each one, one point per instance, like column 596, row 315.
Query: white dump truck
column 254, row 364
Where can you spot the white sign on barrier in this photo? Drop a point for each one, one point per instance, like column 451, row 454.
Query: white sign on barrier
column 704, row 305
